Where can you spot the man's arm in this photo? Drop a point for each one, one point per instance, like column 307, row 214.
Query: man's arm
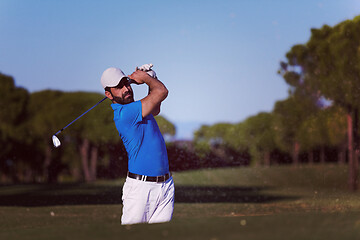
column 157, row 93
column 156, row 110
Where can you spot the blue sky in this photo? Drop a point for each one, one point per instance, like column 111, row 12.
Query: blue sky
column 219, row 59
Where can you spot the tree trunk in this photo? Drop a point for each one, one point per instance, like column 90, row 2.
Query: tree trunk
column 76, row 173
column 267, row 161
column 3, row 178
column 352, row 128
column 342, row 154
column 296, row 153
column 356, row 146
column 93, row 162
column 29, row 175
column 84, row 150
column 322, row 155
column 47, row 162
column 311, row 157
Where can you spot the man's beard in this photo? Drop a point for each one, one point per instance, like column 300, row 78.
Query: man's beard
column 124, row 99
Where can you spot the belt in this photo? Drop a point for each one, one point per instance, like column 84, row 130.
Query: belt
column 144, row 178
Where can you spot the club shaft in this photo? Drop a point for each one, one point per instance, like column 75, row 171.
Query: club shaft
column 80, row 116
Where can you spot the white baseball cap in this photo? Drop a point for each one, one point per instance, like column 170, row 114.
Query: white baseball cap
column 111, row 77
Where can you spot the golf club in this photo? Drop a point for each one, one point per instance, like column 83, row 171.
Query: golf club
column 56, row 140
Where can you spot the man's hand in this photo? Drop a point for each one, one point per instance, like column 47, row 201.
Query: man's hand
column 139, row 77
column 145, row 67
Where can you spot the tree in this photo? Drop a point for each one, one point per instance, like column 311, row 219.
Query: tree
column 330, row 62
column 313, row 133
column 302, row 103
column 221, row 144
column 44, row 119
column 336, row 123
column 289, row 115
column 207, row 138
column 13, row 103
column 166, row 127
column 260, row 137
column 325, row 128
column 89, row 133
column 202, row 141
column 51, row 110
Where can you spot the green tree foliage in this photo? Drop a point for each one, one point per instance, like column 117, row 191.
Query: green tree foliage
column 329, row 62
column 13, row 103
column 202, row 140
column 259, row 134
column 336, row 123
column 254, row 135
column 327, row 128
column 236, row 138
column 90, row 133
column 43, row 120
column 289, row 115
column 217, row 134
column 49, row 111
column 215, row 142
column 301, row 104
column 166, row 127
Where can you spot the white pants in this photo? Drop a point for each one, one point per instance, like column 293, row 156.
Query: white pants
column 147, row 202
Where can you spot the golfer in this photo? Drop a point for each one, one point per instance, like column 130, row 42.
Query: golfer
column 148, row 193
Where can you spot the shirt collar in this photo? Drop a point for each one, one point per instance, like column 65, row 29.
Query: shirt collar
column 116, row 106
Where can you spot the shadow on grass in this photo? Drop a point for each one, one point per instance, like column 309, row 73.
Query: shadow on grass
column 216, row 194
column 84, row 194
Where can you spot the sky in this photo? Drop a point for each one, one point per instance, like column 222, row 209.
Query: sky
column 218, row 58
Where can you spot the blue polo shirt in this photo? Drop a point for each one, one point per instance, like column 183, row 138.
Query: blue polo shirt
column 142, row 139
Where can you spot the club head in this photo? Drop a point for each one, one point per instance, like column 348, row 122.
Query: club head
column 56, row 141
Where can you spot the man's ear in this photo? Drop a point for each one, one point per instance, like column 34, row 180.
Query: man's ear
column 108, row 95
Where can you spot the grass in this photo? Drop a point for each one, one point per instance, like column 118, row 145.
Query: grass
column 310, row 202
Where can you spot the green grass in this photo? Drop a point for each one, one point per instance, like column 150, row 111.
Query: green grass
column 281, row 202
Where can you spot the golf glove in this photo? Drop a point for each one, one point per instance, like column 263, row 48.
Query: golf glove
column 147, row 68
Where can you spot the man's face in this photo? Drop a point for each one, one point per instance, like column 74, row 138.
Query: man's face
column 122, row 93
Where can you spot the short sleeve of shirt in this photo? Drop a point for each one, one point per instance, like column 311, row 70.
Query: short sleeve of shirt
column 130, row 113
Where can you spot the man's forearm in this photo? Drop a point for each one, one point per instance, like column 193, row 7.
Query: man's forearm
column 157, row 92
column 157, row 88
column 156, row 109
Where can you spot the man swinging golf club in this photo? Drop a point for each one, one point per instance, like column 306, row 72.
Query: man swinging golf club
column 148, row 193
